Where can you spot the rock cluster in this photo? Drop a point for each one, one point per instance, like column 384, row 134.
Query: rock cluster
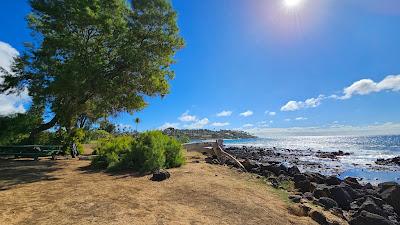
column 355, row 202
column 390, row 162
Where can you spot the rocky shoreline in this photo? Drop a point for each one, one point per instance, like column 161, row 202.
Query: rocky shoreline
column 356, row 202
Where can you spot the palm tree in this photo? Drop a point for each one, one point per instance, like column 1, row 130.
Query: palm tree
column 137, row 121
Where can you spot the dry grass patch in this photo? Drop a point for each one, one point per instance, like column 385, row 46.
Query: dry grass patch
column 197, row 193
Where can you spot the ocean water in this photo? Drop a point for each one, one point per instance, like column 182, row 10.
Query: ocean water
column 364, row 151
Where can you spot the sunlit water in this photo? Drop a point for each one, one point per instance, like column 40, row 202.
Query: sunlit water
column 364, row 151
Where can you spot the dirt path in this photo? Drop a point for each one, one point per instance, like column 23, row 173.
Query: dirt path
column 65, row 192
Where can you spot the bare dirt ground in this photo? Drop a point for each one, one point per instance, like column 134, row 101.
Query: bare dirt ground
column 68, row 192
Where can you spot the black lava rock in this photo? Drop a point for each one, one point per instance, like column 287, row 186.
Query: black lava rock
column 366, row 218
column 327, row 203
column 160, row 175
column 341, row 196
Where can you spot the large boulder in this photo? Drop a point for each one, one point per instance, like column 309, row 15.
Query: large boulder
column 390, row 192
column 321, row 190
column 369, row 205
column 249, row 165
column 341, row 196
column 303, row 186
column 160, row 175
column 367, row 218
column 332, row 180
column 352, row 182
column 327, row 203
column 318, row 217
column 293, row 171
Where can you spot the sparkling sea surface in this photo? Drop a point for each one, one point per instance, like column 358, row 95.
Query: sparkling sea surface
column 361, row 163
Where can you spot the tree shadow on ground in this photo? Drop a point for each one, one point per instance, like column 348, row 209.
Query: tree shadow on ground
column 15, row 172
column 89, row 169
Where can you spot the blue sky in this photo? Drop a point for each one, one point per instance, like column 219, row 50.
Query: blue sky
column 272, row 68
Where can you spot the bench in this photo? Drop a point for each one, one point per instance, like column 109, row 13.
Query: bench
column 31, row 151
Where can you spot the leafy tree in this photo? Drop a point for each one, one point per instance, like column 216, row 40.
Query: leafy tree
column 95, row 58
column 107, row 126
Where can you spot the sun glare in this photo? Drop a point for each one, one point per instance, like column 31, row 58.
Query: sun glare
column 292, row 3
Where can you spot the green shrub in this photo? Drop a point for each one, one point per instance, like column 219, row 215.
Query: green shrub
column 110, row 150
column 173, row 153
column 147, row 152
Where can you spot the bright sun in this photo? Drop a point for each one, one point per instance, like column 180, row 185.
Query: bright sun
column 292, row 3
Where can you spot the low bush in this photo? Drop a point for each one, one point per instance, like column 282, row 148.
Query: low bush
column 145, row 153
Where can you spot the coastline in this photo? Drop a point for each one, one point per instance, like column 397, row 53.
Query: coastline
column 370, row 163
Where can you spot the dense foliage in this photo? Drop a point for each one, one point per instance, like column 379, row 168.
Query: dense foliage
column 147, row 152
column 93, row 59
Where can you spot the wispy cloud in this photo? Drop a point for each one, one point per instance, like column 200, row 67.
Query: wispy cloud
column 301, row 118
column 219, row 124
column 361, row 87
column 247, row 113
column 308, row 103
column 186, row 117
column 12, row 103
column 248, row 125
column 198, row 124
column 224, row 113
column 270, row 113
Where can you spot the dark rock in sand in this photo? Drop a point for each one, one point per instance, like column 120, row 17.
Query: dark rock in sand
column 390, row 192
column 341, row 196
column 160, row 175
column 366, row 218
column 308, row 196
column 318, row 217
column 295, row 198
column 327, row 203
column 274, row 182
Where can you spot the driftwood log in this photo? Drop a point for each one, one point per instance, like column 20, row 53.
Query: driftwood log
column 213, row 148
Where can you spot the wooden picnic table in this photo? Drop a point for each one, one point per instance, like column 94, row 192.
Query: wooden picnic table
column 31, row 151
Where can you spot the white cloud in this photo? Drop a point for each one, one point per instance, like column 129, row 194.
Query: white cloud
column 217, row 124
column 168, row 125
column 361, row 87
column 308, row 103
column 272, row 113
column 11, row 103
column 288, row 120
column 186, row 117
column 248, row 125
column 368, row 86
column 224, row 113
column 247, row 113
column 301, row 118
column 340, row 130
column 198, row 124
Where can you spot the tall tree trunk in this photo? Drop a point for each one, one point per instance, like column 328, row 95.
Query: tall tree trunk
column 42, row 127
